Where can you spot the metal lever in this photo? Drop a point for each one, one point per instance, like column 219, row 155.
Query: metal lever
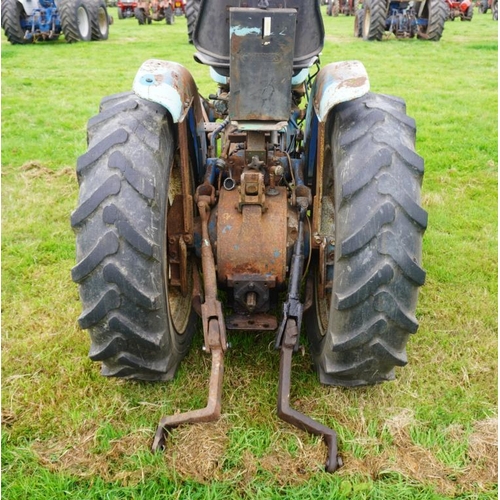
column 214, row 331
column 294, row 417
column 287, row 341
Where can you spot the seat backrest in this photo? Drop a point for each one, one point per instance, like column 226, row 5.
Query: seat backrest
column 212, row 38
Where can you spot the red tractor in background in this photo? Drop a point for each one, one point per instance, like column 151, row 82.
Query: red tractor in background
column 157, row 10
column 464, row 9
column 126, row 8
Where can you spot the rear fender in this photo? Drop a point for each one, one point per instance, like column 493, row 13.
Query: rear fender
column 172, row 86
column 29, row 6
column 169, row 84
column 338, row 82
column 335, row 83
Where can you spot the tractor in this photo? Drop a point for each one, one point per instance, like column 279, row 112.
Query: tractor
column 405, row 19
column 287, row 200
column 462, row 9
column 346, row 7
column 484, row 5
column 147, row 11
column 126, row 8
column 27, row 21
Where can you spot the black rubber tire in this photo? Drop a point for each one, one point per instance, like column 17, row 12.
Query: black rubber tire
column 494, row 10
column 483, row 7
column 169, row 16
column 358, row 332
column 436, row 12
column 99, row 20
column 76, row 22
column 140, row 327
column 374, row 19
column 140, row 16
column 468, row 14
column 335, row 8
column 192, row 11
column 358, row 23
column 12, row 13
column 120, row 14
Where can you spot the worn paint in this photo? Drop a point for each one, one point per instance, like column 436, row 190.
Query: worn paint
column 166, row 83
column 339, row 82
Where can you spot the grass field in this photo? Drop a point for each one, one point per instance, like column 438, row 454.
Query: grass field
column 67, row 432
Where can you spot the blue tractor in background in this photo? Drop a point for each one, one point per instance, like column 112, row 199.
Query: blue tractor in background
column 404, row 19
column 27, row 21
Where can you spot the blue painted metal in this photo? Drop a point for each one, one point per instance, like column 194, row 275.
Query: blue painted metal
column 42, row 22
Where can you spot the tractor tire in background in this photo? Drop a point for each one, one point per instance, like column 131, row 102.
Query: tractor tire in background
column 468, row 14
column 358, row 331
column 333, row 8
column 483, row 7
column 358, row 23
column 12, row 13
column 169, row 16
column 76, row 19
column 140, row 327
column 140, row 16
column 99, row 20
column 192, row 11
column 435, row 12
column 120, row 14
column 374, row 19
column 494, row 10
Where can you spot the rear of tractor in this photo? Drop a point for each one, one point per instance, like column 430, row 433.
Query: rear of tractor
column 26, row 21
column 289, row 199
column 126, row 8
column 158, row 10
column 405, row 19
column 462, row 9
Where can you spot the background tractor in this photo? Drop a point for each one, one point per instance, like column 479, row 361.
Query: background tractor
column 462, row 9
column 26, row 21
column 484, row 5
column 288, row 199
column 423, row 19
column 126, row 8
column 346, row 7
column 158, row 10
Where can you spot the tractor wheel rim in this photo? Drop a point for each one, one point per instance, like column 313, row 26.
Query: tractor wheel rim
column 83, row 22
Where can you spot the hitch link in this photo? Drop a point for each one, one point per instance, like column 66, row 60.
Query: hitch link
column 287, row 341
column 214, row 333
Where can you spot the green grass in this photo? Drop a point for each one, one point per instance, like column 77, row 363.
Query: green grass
column 69, row 433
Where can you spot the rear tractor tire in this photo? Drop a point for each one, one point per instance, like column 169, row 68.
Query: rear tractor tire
column 140, row 326
column 99, row 20
column 435, row 12
column 358, row 23
column 140, row 16
column 169, row 16
column 12, row 13
column 374, row 19
column 359, row 328
column 76, row 21
column 192, row 11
